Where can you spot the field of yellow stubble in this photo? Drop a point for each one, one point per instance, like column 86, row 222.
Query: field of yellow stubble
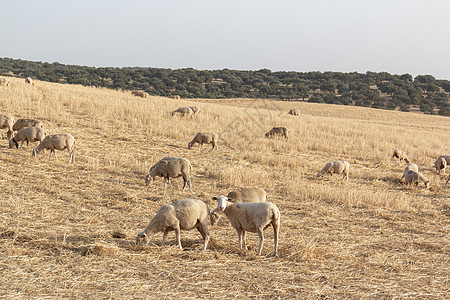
column 67, row 230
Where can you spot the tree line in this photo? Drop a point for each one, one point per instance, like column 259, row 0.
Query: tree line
column 372, row 89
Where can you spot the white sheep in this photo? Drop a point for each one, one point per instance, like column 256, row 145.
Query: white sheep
column 171, row 167
column 441, row 163
column 252, row 217
column 336, row 167
column 413, row 177
column 175, row 97
column 204, row 138
column 183, row 111
column 57, row 142
column 28, row 134
column 7, row 121
column 251, row 194
column 412, row 167
column 29, row 80
column 278, row 131
column 185, row 214
column 401, row 155
column 195, row 110
column 21, row 123
column 294, row 112
column 4, row 82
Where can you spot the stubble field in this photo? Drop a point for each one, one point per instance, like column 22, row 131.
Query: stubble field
column 68, row 230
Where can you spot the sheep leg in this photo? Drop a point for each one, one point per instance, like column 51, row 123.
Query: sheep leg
column 276, row 229
column 261, row 240
column 244, row 242
column 203, row 229
column 50, row 156
column 239, row 232
column 164, row 237
column 21, row 144
column 177, row 234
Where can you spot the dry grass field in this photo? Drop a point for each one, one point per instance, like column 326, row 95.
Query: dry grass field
column 68, row 230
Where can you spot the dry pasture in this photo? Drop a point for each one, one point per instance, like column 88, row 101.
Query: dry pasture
column 67, row 230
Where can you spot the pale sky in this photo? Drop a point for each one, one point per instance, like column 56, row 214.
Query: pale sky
column 395, row 36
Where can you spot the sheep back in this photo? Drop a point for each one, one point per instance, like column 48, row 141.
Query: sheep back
column 252, row 194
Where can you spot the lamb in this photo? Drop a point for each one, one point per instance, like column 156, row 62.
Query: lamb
column 26, row 123
column 441, row 163
column 141, row 94
column 401, row 155
column 7, row 121
column 281, row 131
column 251, row 194
column 294, row 112
column 185, row 214
column 4, row 82
column 204, row 138
column 183, row 111
column 28, row 134
column 169, row 167
column 412, row 167
column 57, row 142
column 252, row 217
column 29, row 80
column 413, row 177
column 195, row 109
column 337, row 167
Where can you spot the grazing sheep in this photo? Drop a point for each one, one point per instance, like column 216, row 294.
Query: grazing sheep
column 171, row 167
column 336, row 167
column 401, row 155
column 448, row 179
column 413, row 177
column 183, row 111
column 252, row 217
column 57, row 142
column 26, row 123
column 204, row 138
column 4, row 82
column 28, row 134
column 7, row 121
column 185, row 214
column 294, row 112
column 141, row 94
column 251, row 194
column 441, row 163
column 175, row 97
column 412, row 167
column 195, row 109
column 281, row 131
column 29, row 80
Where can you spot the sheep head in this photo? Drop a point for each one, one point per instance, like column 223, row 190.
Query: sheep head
column 222, row 202
column 148, row 179
column 189, row 146
column 142, row 238
column 12, row 143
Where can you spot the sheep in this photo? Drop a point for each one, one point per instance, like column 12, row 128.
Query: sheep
column 294, row 112
column 141, row 94
column 4, row 82
column 26, row 123
column 7, row 121
column 251, row 194
column 252, row 217
column 195, row 110
column 441, row 163
column 29, row 80
column 282, row 131
column 183, row 111
column 401, row 155
column 204, row 138
column 337, row 167
column 413, row 177
column 412, row 167
column 175, row 97
column 185, row 214
column 56, row 142
column 28, row 134
column 169, row 167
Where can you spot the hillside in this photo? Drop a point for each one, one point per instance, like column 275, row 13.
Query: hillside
column 68, row 230
column 378, row 90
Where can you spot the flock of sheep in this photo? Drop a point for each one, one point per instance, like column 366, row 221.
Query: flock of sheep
column 246, row 209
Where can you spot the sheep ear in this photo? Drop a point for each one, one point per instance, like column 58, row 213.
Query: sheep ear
column 214, row 198
column 230, row 199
